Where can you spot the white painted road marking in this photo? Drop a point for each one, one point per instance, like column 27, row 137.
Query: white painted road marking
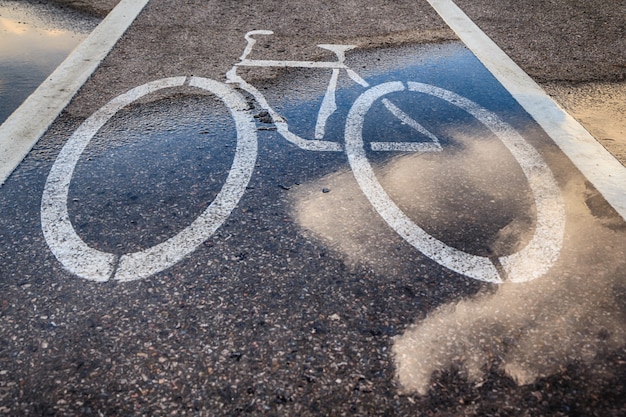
column 20, row 132
column 601, row 168
column 529, row 263
column 80, row 259
column 433, row 146
column 92, row 264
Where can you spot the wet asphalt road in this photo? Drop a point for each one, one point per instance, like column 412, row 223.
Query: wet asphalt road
column 305, row 302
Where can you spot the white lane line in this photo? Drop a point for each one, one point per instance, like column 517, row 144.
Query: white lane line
column 601, row 168
column 21, row 131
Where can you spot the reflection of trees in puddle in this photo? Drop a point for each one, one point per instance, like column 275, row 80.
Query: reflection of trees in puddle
column 530, row 330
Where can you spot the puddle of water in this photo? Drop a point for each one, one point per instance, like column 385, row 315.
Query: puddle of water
column 572, row 314
column 463, row 206
column 34, row 40
column 472, row 195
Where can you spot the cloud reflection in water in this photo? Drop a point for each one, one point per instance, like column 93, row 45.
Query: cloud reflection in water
column 533, row 329
column 34, row 40
column 529, row 330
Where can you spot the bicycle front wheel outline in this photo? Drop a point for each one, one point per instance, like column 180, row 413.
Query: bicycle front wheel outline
column 530, row 262
column 92, row 264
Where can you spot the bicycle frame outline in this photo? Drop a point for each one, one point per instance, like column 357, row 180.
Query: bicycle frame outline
column 528, row 263
column 328, row 106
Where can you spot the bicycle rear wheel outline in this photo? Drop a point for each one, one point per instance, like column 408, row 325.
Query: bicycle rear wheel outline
column 92, row 264
column 530, row 262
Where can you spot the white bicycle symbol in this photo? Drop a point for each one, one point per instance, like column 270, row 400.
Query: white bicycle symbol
column 532, row 261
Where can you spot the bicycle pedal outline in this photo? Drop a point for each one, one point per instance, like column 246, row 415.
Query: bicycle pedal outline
column 530, row 262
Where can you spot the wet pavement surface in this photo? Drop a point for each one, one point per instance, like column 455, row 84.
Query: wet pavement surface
column 35, row 40
column 305, row 301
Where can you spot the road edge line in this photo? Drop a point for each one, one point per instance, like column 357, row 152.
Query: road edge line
column 28, row 123
column 597, row 164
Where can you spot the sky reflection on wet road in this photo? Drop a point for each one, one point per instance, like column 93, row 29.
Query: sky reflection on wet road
column 305, row 297
column 34, row 40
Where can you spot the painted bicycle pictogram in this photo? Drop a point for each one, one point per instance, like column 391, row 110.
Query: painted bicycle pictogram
column 530, row 262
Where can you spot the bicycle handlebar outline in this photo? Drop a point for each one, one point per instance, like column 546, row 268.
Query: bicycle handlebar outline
column 328, row 106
